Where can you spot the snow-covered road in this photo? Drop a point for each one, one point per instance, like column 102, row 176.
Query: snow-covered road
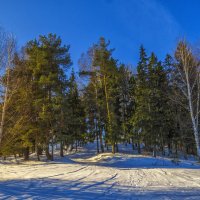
column 100, row 177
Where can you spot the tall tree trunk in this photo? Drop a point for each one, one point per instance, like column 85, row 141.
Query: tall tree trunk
column 117, row 147
column 154, row 151
column 52, row 150
column 37, row 148
column 101, row 139
column 26, row 153
column 4, row 105
column 113, row 148
column 169, row 148
column 194, row 119
column 48, row 155
column 97, row 138
column 107, row 106
column 138, row 146
column 61, row 149
column 38, row 153
column 133, row 145
column 10, row 45
column 190, row 86
column 76, row 145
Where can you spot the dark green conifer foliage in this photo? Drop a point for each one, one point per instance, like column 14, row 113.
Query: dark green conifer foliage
column 111, row 106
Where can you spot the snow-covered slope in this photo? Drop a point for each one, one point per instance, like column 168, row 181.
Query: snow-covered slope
column 88, row 176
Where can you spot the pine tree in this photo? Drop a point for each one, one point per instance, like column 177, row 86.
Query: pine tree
column 125, row 101
column 48, row 61
column 103, row 77
column 76, row 113
column 108, row 77
column 140, row 117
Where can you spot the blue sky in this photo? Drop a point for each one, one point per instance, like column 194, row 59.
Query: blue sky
column 157, row 24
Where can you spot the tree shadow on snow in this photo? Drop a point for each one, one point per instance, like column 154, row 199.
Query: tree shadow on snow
column 124, row 162
column 81, row 190
column 146, row 163
column 133, row 162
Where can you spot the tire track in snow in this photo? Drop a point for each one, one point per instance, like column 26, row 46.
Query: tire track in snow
column 56, row 175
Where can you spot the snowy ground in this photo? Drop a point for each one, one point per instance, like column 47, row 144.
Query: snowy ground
column 86, row 176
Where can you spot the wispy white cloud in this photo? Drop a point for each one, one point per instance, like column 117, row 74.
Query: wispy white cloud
column 148, row 22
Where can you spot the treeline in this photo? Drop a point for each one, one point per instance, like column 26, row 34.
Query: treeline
column 41, row 106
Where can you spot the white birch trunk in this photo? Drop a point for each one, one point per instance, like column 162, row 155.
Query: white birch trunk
column 4, row 106
column 191, row 81
column 10, row 44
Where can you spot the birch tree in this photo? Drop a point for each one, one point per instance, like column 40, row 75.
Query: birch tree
column 187, row 76
column 8, row 49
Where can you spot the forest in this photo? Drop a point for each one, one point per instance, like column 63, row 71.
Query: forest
column 154, row 106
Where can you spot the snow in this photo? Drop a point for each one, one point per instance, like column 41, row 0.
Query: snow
column 85, row 175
